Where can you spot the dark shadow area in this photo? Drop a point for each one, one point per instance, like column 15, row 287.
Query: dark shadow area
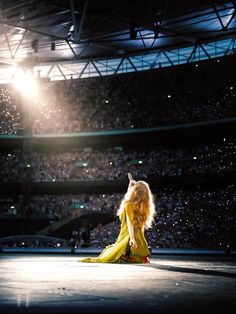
column 205, row 272
column 212, row 307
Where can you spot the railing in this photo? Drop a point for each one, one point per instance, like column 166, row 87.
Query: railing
column 186, row 132
column 87, row 251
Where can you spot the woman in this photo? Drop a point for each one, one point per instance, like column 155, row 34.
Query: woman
column 136, row 213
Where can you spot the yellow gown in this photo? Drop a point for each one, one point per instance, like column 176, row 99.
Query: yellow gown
column 119, row 252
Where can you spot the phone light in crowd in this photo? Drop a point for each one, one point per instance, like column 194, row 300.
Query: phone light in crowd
column 194, row 157
column 28, row 166
column 106, row 101
column 110, row 162
column 12, row 207
column 53, row 179
column 25, row 82
column 85, row 164
column 140, row 162
column 169, row 96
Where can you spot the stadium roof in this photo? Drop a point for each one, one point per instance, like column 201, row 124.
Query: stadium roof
column 59, row 39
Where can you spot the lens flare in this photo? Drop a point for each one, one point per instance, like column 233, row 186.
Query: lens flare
column 25, row 83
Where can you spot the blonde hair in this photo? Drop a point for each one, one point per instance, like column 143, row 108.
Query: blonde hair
column 140, row 195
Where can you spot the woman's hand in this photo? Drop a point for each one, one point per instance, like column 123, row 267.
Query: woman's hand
column 133, row 244
column 131, row 181
column 130, row 176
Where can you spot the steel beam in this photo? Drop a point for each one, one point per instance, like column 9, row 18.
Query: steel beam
column 94, row 64
column 73, row 17
column 218, row 16
column 78, row 36
column 231, row 19
column 168, row 58
column 191, row 54
column 204, row 50
column 8, row 43
column 133, row 66
column 18, row 46
column 119, row 65
column 61, row 72
column 50, row 70
column 85, row 67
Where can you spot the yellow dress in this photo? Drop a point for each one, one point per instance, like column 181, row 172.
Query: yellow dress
column 119, row 252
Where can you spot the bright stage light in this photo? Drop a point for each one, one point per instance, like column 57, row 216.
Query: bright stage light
column 25, row 83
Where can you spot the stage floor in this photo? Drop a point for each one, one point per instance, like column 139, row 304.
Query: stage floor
column 169, row 284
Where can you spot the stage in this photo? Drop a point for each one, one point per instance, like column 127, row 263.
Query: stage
column 35, row 283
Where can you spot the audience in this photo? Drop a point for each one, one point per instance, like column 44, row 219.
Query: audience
column 169, row 98
column 202, row 218
column 113, row 164
column 185, row 219
column 33, row 243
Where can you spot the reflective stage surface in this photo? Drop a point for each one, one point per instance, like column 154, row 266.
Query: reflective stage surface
column 169, row 284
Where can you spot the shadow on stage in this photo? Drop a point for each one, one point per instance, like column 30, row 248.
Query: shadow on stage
column 205, row 272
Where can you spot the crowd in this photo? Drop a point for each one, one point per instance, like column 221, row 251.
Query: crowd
column 113, row 164
column 10, row 113
column 190, row 94
column 169, row 98
column 185, row 219
column 56, row 208
column 32, row 242
column 200, row 218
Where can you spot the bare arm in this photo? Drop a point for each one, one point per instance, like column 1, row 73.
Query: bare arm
column 131, row 181
column 132, row 241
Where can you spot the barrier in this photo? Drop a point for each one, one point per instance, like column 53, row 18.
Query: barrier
column 87, row 251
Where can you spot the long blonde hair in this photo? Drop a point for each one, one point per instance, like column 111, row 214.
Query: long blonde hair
column 140, row 196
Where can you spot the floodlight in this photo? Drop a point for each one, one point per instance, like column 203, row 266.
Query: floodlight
column 25, row 82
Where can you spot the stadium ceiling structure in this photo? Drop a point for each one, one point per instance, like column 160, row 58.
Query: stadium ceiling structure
column 59, row 39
